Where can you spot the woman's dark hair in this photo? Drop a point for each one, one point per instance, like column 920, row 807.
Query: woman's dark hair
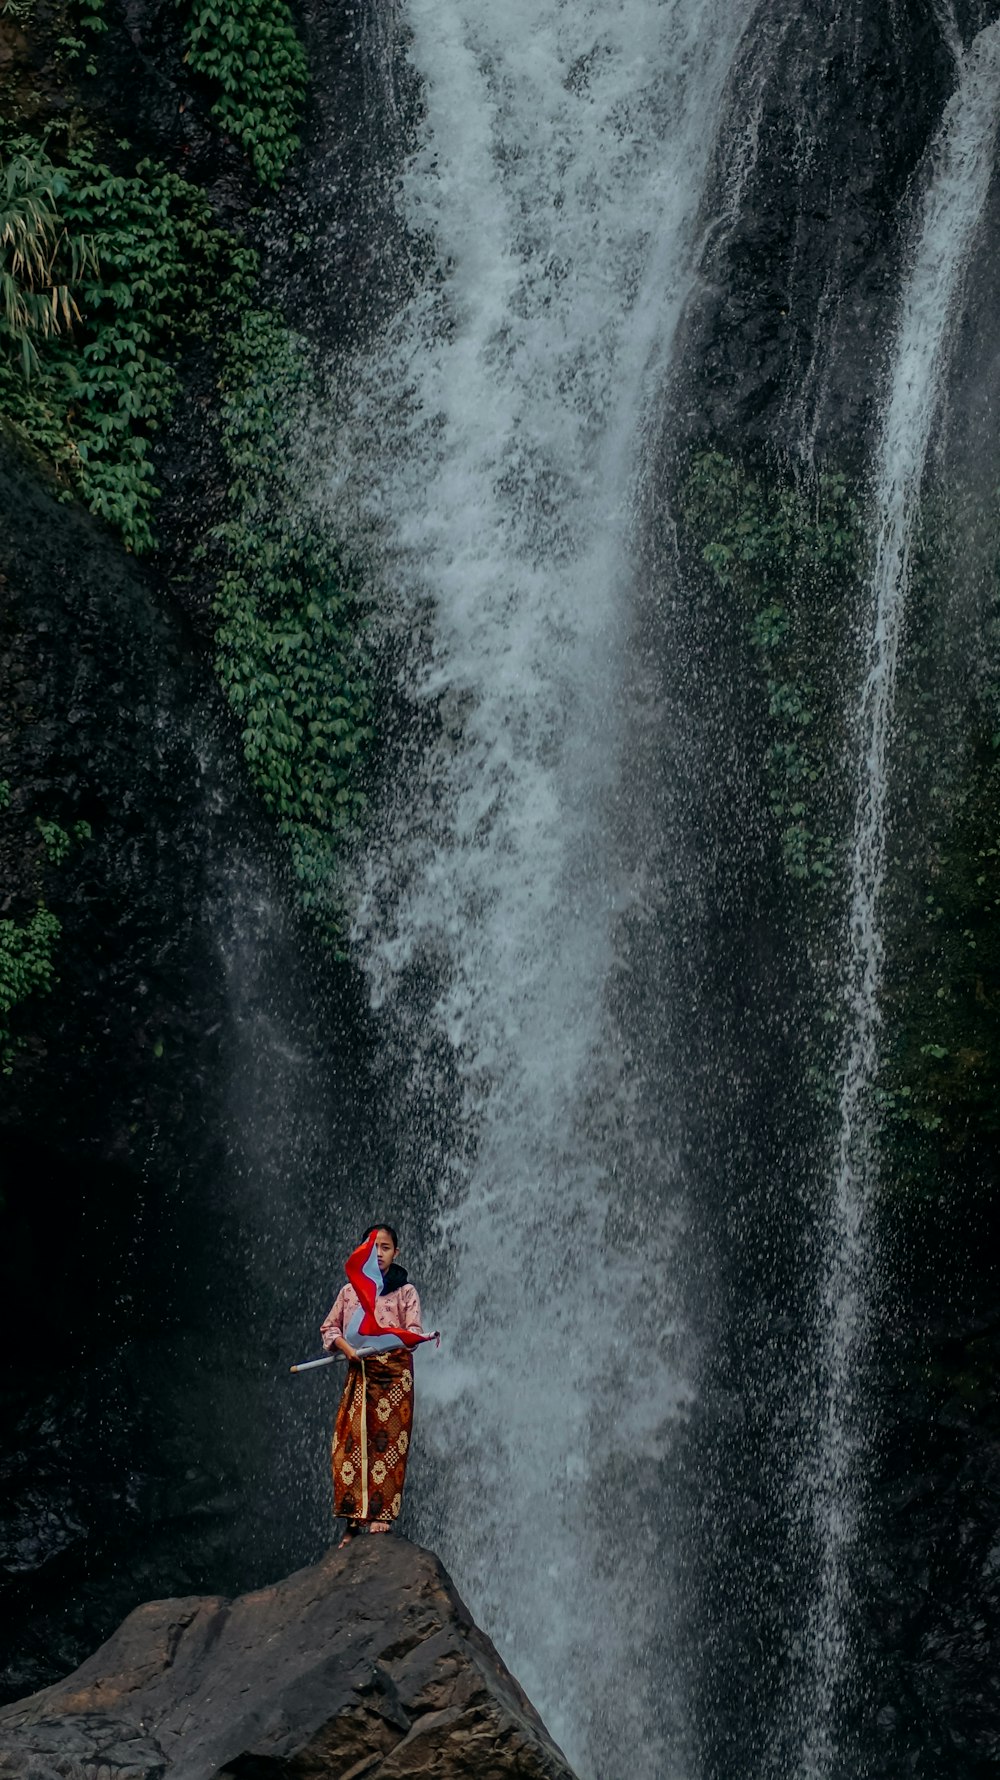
column 388, row 1227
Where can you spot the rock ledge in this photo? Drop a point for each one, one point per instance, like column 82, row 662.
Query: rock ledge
column 366, row 1666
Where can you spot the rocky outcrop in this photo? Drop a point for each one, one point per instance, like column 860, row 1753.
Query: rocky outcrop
column 366, row 1666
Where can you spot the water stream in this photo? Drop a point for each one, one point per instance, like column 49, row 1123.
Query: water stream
column 492, row 446
column 960, row 169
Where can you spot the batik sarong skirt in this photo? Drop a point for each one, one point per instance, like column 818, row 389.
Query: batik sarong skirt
column 371, row 1438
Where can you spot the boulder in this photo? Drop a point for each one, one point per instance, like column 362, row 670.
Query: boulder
column 365, row 1666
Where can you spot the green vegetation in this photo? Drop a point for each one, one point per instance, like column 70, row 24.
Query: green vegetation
column 82, row 15
column 61, row 26
column 290, row 653
column 27, row 967
column 57, row 840
column 791, row 553
column 106, row 278
column 28, row 945
column 41, row 264
column 793, row 558
column 249, row 51
column 113, row 276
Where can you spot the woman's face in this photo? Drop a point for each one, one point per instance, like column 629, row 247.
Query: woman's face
column 385, row 1249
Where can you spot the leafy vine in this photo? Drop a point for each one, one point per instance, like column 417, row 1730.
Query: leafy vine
column 104, row 277
column 28, row 945
column 249, row 51
column 290, row 644
column 27, row 967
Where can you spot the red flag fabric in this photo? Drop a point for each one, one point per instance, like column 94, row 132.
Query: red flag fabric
column 365, row 1276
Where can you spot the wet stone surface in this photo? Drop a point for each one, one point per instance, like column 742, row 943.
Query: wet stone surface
column 367, row 1663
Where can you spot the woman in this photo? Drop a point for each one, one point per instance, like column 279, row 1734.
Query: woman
column 371, row 1437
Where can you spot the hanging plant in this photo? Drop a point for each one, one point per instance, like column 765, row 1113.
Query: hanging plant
column 249, row 51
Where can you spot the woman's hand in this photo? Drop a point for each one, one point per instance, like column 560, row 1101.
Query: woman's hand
column 346, row 1349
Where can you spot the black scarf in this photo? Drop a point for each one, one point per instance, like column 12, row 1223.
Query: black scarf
column 393, row 1278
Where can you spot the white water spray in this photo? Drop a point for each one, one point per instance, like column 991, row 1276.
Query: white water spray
column 492, row 445
column 961, row 165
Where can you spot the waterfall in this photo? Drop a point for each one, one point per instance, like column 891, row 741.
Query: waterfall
column 960, row 168
column 488, row 452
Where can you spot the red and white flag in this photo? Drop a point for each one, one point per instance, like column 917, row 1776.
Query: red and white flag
column 365, row 1334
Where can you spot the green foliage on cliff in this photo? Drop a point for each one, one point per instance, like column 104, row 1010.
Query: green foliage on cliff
column 29, row 943
column 133, row 271
column 82, row 15
column 118, row 281
column 791, row 552
column 249, row 51
column 57, row 840
column 290, row 651
column 42, row 265
column 27, row 967
column 60, row 27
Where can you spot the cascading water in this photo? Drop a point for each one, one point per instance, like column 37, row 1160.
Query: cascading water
column 960, row 168
column 492, row 444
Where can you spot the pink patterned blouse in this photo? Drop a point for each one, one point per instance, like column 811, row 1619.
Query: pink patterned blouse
column 401, row 1307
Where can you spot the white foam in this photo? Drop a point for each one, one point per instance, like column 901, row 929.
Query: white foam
column 489, row 451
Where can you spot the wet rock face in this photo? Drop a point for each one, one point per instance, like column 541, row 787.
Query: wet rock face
column 129, row 1122
column 195, row 1035
column 930, row 1594
column 366, row 1664
column 107, row 719
column 833, row 109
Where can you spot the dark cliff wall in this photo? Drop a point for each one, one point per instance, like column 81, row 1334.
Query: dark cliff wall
column 186, row 1086
column 783, row 372
column 834, row 111
column 154, row 1086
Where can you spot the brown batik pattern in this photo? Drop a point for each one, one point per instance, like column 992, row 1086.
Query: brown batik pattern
column 371, row 1437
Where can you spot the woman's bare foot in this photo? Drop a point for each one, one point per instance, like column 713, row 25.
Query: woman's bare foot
column 352, row 1530
column 378, row 1526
